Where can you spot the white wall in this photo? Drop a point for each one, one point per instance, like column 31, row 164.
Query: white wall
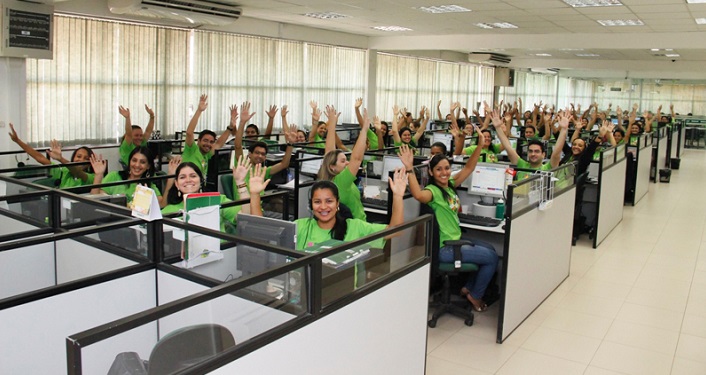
column 26, row 269
column 75, row 260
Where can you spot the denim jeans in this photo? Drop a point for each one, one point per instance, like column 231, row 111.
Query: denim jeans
column 483, row 255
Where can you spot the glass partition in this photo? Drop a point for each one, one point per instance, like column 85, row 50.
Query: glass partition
column 524, row 195
column 608, row 157
column 564, row 178
column 620, row 152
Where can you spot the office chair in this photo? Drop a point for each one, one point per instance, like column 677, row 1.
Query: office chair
column 580, row 225
column 227, row 185
column 176, row 351
column 442, row 299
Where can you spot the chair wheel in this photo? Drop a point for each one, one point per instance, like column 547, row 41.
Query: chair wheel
column 468, row 322
column 432, row 323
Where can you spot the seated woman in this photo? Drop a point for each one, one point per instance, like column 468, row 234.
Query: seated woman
column 404, row 135
column 337, row 168
column 327, row 222
column 140, row 165
column 189, row 180
column 441, row 196
column 65, row 177
column 582, row 152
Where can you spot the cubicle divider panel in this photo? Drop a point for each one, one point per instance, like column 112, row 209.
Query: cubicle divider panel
column 383, row 332
column 611, row 184
column 662, row 155
column 34, row 333
column 642, row 179
column 537, row 259
column 682, row 139
column 27, row 269
column 77, row 260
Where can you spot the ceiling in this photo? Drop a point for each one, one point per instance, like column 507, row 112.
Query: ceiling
column 551, row 28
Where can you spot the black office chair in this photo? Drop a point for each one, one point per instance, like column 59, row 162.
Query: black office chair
column 442, row 298
column 580, row 225
column 176, row 351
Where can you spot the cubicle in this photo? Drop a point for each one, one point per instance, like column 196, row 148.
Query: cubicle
column 540, row 207
column 308, row 320
column 660, row 152
column 637, row 173
column 611, row 179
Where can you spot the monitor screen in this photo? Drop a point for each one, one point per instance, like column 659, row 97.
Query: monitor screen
column 389, row 164
column 488, row 180
column 445, row 138
column 252, row 259
column 310, row 167
column 615, row 121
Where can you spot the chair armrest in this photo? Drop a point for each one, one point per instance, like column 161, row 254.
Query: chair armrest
column 456, row 244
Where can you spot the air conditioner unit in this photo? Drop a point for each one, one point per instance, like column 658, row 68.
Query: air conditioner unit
column 475, row 57
column 551, row 71
column 195, row 12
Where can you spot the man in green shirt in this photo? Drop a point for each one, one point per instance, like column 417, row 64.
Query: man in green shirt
column 134, row 136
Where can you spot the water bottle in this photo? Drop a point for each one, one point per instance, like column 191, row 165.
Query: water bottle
column 500, row 209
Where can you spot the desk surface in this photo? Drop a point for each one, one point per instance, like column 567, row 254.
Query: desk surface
column 498, row 229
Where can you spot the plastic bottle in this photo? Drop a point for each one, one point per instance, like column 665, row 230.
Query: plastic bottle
column 500, row 209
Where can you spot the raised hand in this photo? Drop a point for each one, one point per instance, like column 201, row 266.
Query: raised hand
column 421, row 111
column 125, row 112
column 55, row 150
column 399, row 183
column 291, row 134
column 358, row 102
column 313, row 105
column 98, row 164
column 455, row 105
column 406, row 156
column 257, row 179
column 13, row 133
column 377, row 124
column 233, row 113
column 173, row 164
column 396, row 110
column 284, row 112
column 245, row 114
column 316, row 115
column 202, row 102
column 240, row 170
column 453, row 129
column 149, row 111
column 331, row 113
column 272, row 111
column 564, row 118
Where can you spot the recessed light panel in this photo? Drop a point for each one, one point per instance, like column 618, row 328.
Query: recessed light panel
column 592, row 3
column 700, row 21
column 621, row 22
column 326, row 15
column 496, row 25
column 391, row 28
column 436, row 9
column 672, row 55
column 696, row 1
column 587, row 55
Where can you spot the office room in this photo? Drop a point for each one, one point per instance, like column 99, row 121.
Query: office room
column 633, row 297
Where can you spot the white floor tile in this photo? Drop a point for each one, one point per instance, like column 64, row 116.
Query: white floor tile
column 527, row 362
column 562, row 344
column 643, row 337
column 692, row 347
column 631, row 360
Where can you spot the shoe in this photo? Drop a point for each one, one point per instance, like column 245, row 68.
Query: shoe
column 476, row 304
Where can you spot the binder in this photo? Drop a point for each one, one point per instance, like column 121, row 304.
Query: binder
column 202, row 209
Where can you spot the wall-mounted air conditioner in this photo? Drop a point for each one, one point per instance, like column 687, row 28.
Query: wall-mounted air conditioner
column 195, row 12
column 493, row 58
column 26, row 30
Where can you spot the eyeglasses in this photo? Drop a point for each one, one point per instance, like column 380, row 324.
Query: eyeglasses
column 534, row 151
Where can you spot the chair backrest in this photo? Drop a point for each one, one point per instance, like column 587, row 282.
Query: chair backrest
column 227, row 185
column 187, row 346
column 426, row 209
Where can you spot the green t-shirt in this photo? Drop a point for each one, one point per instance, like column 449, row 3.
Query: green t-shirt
column 127, row 189
column 318, row 138
column 67, row 179
column 349, row 193
column 126, row 148
column 522, row 163
column 228, row 214
column 373, row 139
column 490, row 152
column 193, row 154
column 247, row 182
column 309, row 233
column 446, row 212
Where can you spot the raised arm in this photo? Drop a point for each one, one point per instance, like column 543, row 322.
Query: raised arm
column 332, row 116
column 270, row 120
column 360, row 145
column 471, row 163
column 422, row 128
column 671, row 110
column 547, row 119
column 619, row 114
column 55, row 153
column 125, row 112
column 378, row 130
column 291, row 137
column 150, row 124
column 578, row 126
column 459, row 138
column 397, row 186
column 99, row 166
column 394, row 127
column 245, row 116
column 240, row 171
column 438, row 111
column 608, row 133
column 36, row 155
column 189, row 140
column 257, row 186
column 171, row 171
column 500, row 131
column 423, row 196
column 564, row 118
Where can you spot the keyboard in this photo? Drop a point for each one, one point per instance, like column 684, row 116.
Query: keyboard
column 479, row 220
column 378, row 203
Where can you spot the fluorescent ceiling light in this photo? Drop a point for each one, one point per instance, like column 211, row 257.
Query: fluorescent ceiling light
column 542, row 55
column 654, row 49
column 496, row 25
column 326, row 15
column 587, row 55
column 436, row 9
column 621, row 22
column 672, row 55
column 700, row 21
column 391, row 28
column 570, row 49
column 592, row 3
column 696, row 1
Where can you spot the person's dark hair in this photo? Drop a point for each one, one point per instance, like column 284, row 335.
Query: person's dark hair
column 619, row 131
column 440, row 145
column 136, row 127
column 124, row 174
column 90, row 153
column 538, row 143
column 303, row 132
column 173, row 196
column 432, row 164
column 405, row 129
column 207, row 132
column 339, row 229
column 253, row 126
column 257, row 144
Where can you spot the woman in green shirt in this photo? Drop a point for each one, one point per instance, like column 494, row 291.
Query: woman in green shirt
column 140, row 165
column 441, row 196
column 327, row 222
column 189, row 180
column 65, row 177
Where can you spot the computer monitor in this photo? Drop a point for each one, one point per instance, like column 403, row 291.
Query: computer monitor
column 389, row 164
column 86, row 212
column 445, row 138
column 267, row 230
column 614, row 121
column 310, row 167
column 488, row 180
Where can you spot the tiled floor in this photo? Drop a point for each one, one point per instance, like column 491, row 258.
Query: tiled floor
column 635, row 305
